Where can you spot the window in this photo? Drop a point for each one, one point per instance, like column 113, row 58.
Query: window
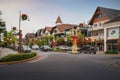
column 99, row 16
column 95, row 25
column 100, row 24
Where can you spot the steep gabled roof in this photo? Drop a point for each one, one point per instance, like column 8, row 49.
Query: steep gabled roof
column 110, row 13
column 48, row 29
column 116, row 19
column 58, row 20
column 63, row 27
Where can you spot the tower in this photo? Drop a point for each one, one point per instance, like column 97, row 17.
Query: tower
column 58, row 21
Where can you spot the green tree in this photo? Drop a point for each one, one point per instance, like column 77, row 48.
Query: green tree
column 10, row 38
column 60, row 40
column 69, row 39
column 81, row 38
column 31, row 43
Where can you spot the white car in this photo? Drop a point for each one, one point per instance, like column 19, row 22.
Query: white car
column 26, row 49
column 35, row 47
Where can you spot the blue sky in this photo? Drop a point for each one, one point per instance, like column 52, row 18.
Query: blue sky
column 44, row 12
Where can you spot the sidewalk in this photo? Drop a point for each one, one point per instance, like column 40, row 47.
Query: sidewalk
column 100, row 52
column 6, row 51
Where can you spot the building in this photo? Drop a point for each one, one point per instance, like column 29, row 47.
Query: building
column 101, row 16
column 59, row 29
column 28, row 38
column 112, row 34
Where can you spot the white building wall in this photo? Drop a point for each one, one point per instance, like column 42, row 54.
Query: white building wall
column 105, row 36
column 99, row 25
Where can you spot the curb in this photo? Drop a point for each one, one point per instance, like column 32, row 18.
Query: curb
column 111, row 54
column 20, row 61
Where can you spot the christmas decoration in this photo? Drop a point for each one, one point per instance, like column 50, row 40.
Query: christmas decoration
column 24, row 17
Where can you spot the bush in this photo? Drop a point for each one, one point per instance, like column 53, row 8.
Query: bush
column 111, row 52
column 17, row 57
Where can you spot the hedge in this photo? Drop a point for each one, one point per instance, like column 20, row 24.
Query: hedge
column 17, row 57
column 111, row 52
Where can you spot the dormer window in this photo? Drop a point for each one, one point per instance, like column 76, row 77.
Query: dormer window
column 99, row 16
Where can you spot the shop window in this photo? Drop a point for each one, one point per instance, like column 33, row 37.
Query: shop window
column 112, row 32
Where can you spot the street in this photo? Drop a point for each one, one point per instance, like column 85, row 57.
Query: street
column 63, row 66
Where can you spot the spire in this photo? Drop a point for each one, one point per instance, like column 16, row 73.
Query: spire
column 58, row 21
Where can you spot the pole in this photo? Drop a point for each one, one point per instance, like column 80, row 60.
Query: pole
column 20, row 34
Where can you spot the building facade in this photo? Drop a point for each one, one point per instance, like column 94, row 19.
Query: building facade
column 101, row 16
column 112, row 34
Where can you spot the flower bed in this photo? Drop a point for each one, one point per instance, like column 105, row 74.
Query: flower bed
column 17, row 57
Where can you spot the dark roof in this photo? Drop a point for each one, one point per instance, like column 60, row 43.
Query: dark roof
column 116, row 19
column 110, row 13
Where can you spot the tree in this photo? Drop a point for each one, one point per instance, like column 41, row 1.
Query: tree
column 81, row 38
column 10, row 38
column 2, row 25
column 60, row 40
column 69, row 40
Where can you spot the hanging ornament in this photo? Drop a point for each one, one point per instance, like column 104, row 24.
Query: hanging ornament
column 24, row 17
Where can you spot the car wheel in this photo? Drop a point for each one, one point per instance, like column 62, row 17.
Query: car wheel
column 93, row 52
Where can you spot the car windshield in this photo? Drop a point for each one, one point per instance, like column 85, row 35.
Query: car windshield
column 46, row 46
column 27, row 47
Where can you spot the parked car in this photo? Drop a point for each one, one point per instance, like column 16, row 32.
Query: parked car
column 26, row 49
column 35, row 47
column 88, row 49
column 45, row 48
column 66, row 48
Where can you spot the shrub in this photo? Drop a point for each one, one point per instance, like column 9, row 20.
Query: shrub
column 111, row 52
column 17, row 57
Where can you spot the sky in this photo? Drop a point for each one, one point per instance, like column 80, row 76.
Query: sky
column 44, row 13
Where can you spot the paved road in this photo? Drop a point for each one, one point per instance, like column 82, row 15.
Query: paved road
column 63, row 66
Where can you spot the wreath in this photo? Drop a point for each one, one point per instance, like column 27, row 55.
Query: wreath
column 24, row 16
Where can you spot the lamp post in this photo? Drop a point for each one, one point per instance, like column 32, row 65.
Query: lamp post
column 20, row 34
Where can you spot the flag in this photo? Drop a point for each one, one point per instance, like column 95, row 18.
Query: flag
column 24, row 17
